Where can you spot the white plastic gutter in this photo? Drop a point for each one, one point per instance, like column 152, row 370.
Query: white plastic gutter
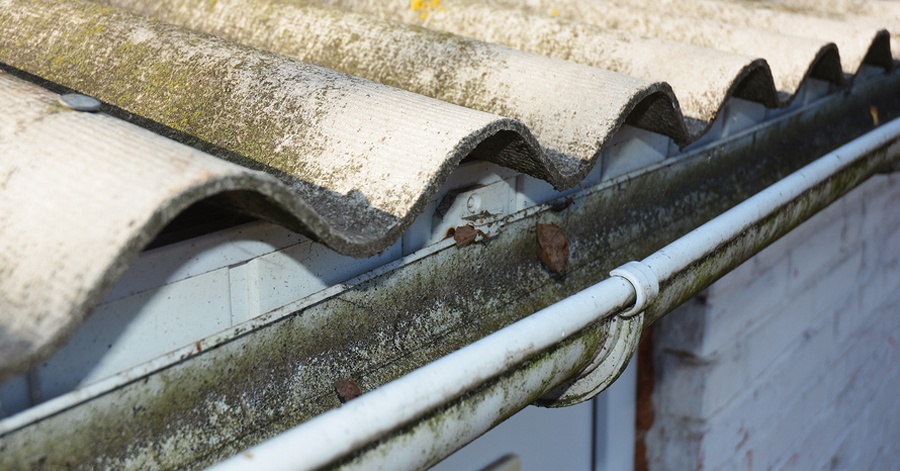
column 385, row 415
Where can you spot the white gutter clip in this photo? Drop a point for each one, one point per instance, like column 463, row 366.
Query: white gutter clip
column 645, row 282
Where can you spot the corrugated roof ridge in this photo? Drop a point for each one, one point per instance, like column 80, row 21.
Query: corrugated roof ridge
column 64, row 240
column 116, row 57
column 646, row 58
column 573, row 122
column 288, row 28
column 336, row 197
column 844, row 31
column 702, row 78
column 110, row 54
column 328, row 134
column 553, row 166
column 787, row 62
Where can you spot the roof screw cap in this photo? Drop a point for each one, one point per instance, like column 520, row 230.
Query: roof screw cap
column 79, row 102
column 473, row 204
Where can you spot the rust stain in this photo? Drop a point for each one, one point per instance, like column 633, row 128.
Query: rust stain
column 347, row 390
column 198, row 346
column 553, row 247
column 644, row 415
column 744, row 439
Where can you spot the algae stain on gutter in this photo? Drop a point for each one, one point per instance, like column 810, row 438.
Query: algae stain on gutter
column 761, row 235
column 300, row 356
column 497, row 399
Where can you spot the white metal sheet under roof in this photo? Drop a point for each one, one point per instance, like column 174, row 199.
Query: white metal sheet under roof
column 539, row 87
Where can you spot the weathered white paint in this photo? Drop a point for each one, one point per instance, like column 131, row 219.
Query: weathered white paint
column 790, row 361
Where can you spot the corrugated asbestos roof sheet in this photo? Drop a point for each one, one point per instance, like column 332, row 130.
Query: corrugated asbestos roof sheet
column 538, row 86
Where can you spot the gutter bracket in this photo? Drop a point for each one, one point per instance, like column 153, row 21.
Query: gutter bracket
column 612, row 357
column 644, row 281
column 623, row 335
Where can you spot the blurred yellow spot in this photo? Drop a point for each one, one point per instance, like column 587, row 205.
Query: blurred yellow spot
column 874, row 112
column 425, row 7
column 554, row 12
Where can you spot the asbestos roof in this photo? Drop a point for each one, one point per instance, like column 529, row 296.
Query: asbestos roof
column 341, row 119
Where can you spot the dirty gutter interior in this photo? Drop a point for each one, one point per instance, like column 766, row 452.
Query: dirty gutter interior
column 445, row 339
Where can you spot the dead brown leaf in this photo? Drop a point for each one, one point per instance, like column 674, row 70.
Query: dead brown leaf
column 553, row 247
column 464, row 235
column 346, row 389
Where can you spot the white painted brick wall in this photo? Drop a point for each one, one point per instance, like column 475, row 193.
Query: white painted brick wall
column 791, row 361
